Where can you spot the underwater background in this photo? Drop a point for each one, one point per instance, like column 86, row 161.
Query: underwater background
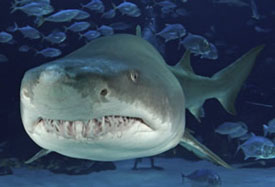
column 232, row 27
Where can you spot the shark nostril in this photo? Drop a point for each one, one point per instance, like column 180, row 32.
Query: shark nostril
column 104, row 92
column 25, row 93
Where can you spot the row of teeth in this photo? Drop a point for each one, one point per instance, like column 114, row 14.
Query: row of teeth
column 87, row 129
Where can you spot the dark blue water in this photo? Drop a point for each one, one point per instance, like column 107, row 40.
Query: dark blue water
column 231, row 29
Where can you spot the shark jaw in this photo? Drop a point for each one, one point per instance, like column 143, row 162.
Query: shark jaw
column 90, row 129
column 107, row 137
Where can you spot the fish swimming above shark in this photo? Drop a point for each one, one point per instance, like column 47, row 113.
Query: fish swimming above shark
column 116, row 98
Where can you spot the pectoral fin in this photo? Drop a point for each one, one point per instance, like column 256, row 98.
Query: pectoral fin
column 191, row 144
column 38, row 155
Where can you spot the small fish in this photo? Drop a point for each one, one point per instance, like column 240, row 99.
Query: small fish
column 56, row 37
column 196, row 44
column 246, row 136
column 95, row 5
column 34, row 9
column 262, row 30
column 172, row 32
column 50, row 52
column 229, row 127
column 109, row 14
column 128, row 8
column 254, row 10
column 23, row 2
column 90, row 35
column 27, row 31
column 82, row 15
column 269, row 128
column 5, row 37
column 166, row 4
column 120, row 26
column 203, row 177
column 166, row 11
column 240, row 132
column 258, row 147
column 60, row 16
column 237, row 3
column 182, row 12
column 3, row 58
column 105, row 30
column 212, row 54
column 24, row 48
column 78, row 26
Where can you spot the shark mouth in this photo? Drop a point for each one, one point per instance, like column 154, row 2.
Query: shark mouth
column 89, row 129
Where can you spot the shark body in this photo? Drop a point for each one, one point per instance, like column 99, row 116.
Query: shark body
column 116, row 99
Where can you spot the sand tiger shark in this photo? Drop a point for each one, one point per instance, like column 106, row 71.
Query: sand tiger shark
column 116, row 98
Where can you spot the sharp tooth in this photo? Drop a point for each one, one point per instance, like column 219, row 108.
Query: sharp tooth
column 56, row 126
column 103, row 122
column 78, row 125
column 66, row 124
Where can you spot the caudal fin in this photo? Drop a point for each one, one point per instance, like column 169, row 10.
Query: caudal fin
column 230, row 79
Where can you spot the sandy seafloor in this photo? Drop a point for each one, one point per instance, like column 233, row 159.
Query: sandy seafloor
column 126, row 177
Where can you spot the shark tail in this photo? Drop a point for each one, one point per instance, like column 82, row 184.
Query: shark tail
column 231, row 78
column 224, row 85
column 191, row 144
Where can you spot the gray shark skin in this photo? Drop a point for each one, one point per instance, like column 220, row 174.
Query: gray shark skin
column 116, row 99
column 72, row 90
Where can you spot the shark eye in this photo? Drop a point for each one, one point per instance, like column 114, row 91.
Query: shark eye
column 134, row 76
column 104, row 92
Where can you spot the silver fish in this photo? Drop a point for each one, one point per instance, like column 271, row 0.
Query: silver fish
column 60, row 16
column 23, row 2
column 24, row 48
column 95, row 5
column 34, row 9
column 78, row 26
column 50, row 52
column 212, row 54
column 82, row 15
column 196, row 44
column 90, row 35
column 121, row 26
column 129, row 9
column 229, row 127
column 27, row 31
column 109, row 14
column 105, row 30
column 56, row 37
column 5, row 37
column 172, row 32
column 203, row 177
column 258, row 147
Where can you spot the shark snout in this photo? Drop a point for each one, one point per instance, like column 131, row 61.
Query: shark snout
column 52, row 74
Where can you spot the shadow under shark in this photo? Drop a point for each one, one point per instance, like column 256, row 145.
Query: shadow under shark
column 116, row 99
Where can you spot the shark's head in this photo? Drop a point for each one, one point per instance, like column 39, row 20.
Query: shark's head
column 102, row 104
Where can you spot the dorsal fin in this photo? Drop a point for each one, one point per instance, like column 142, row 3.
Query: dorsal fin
column 138, row 30
column 185, row 62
